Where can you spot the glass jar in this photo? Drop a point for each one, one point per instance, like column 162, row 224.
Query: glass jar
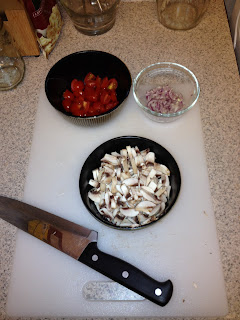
column 181, row 14
column 91, row 17
column 11, row 64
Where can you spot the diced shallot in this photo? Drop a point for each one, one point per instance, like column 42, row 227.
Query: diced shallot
column 164, row 100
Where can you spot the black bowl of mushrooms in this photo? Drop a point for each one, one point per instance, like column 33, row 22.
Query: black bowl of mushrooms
column 129, row 182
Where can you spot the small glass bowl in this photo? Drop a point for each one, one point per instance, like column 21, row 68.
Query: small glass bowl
column 161, row 74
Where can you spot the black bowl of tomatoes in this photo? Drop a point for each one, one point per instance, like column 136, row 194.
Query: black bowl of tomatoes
column 88, row 85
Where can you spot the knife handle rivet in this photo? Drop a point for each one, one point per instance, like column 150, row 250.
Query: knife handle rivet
column 95, row 257
column 125, row 274
column 158, row 292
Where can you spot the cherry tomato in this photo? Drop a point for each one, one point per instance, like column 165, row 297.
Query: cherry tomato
column 105, row 97
column 91, row 111
column 98, row 82
column 79, row 98
column 75, row 108
column 77, row 85
column 91, row 94
column 113, row 96
column 98, row 107
column 111, row 105
column 78, row 93
column 104, row 83
column 91, row 83
column 112, row 84
column 68, row 95
column 86, row 105
column 89, row 76
column 66, row 103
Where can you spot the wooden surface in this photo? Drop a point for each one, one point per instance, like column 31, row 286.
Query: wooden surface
column 20, row 27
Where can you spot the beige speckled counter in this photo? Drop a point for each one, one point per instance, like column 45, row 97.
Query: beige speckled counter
column 139, row 40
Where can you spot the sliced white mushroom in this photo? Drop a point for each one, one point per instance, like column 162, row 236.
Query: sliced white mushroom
column 150, row 158
column 118, row 219
column 125, row 190
column 145, row 205
column 119, row 189
column 139, row 160
column 152, row 185
column 100, row 173
column 163, row 198
column 151, row 175
column 128, row 212
column 108, row 158
column 131, row 182
column 155, row 210
column 114, row 184
column 113, row 203
column 124, row 163
column 147, row 189
column 145, row 152
column 125, row 176
column 94, row 195
column 149, row 196
column 106, row 179
column 145, row 172
column 123, row 153
column 143, row 179
column 134, row 167
column 106, row 213
column 141, row 217
column 94, row 183
column 115, row 154
column 95, row 174
column 160, row 191
column 107, row 200
column 115, row 212
column 166, row 182
column 108, row 171
column 162, row 168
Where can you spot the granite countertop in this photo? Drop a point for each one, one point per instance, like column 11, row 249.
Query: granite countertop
column 139, row 40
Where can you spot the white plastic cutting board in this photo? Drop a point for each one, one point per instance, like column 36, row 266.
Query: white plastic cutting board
column 182, row 247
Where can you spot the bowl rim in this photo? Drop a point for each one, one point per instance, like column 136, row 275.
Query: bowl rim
column 81, row 52
column 165, row 115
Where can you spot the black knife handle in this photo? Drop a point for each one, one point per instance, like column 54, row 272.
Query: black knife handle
column 127, row 275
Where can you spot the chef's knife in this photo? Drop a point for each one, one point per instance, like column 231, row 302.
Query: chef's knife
column 81, row 244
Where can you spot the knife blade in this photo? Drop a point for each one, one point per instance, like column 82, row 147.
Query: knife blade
column 81, row 244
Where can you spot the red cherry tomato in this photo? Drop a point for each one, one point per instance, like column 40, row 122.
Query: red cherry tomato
column 86, row 105
column 104, row 83
column 105, row 97
column 112, row 84
column 111, row 105
column 91, row 94
column 98, row 82
column 77, row 85
column 75, row 108
column 68, row 95
column 91, row 83
column 91, row 111
column 98, row 107
column 89, row 77
column 78, row 93
column 66, row 103
column 79, row 98
column 113, row 96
